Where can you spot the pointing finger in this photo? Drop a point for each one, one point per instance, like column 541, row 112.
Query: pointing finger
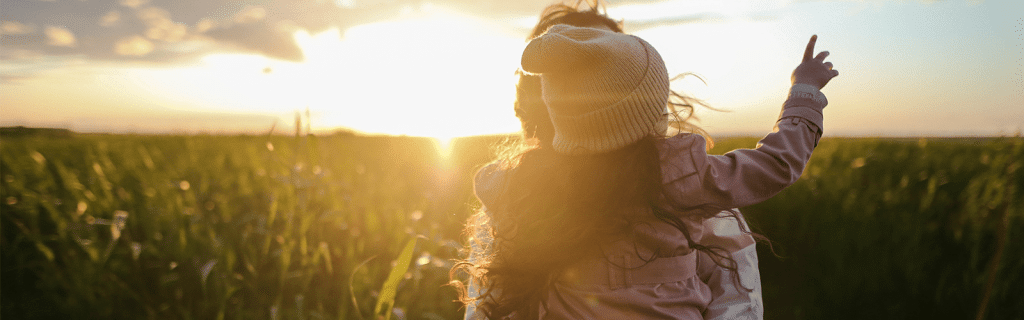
column 810, row 48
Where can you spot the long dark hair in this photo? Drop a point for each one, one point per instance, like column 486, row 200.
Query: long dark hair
column 554, row 210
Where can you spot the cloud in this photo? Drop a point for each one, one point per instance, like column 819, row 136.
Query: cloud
column 108, row 29
column 170, row 32
column 14, row 27
column 159, row 25
column 110, row 19
column 60, row 37
column 268, row 29
column 133, row 3
column 250, row 14
column 204, row 25
column 17, row 54
column 13, row 79
column 160, row 31
column 153, row 15
column 133, row 46
column 272, row 40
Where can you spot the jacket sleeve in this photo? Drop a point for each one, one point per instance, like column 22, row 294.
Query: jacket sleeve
column 696, row 180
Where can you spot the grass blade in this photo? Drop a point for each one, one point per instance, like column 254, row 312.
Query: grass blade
column 388, row 290
column 352, row 291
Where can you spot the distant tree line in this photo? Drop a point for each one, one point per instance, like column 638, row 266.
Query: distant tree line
column 22, row 131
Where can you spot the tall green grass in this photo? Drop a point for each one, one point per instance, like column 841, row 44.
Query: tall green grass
column 213, row 227
column 898, row 229
column 251, row 227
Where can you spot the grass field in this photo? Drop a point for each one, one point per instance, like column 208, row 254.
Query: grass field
column 309, row 227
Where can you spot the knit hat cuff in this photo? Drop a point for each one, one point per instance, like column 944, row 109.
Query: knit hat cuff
column 638, row 115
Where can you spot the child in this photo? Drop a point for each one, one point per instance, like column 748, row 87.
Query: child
column 731, row 298
column 607, row 222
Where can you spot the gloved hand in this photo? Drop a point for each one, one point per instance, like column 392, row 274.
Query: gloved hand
column 814, row 71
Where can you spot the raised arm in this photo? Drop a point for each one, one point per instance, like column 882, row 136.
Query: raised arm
column 747, row 176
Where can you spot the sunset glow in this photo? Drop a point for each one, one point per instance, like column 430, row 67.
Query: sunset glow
column 440, row 75
column 436, row 74
column 445, row 69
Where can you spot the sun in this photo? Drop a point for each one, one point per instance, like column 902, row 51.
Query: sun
column 430, row 73
column 435, row 74
column 444, row 146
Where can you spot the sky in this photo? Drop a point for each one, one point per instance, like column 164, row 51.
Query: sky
column 446, row 68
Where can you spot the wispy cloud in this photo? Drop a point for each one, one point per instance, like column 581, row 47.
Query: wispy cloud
column 152, row 30
column 250, row 14
column 14, row 27
column 13, row 79
column 133, row 46
column 60, row 37
column 110, row 19
column 133, row 3
column 270, row 39
column 160, row 26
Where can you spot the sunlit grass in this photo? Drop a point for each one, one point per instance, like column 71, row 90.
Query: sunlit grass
column 257, row 227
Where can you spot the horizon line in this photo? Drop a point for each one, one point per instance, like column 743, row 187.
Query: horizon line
column 353, row 132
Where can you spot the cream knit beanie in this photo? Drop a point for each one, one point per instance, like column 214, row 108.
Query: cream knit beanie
column 604, row 90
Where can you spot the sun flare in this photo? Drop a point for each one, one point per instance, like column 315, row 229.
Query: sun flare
column 435, row 74
column 432, row 73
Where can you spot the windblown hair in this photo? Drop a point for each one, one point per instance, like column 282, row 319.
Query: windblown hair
column 555, row 209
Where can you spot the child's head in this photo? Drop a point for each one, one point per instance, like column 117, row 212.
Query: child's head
column 603, row 90
column 529, row 107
